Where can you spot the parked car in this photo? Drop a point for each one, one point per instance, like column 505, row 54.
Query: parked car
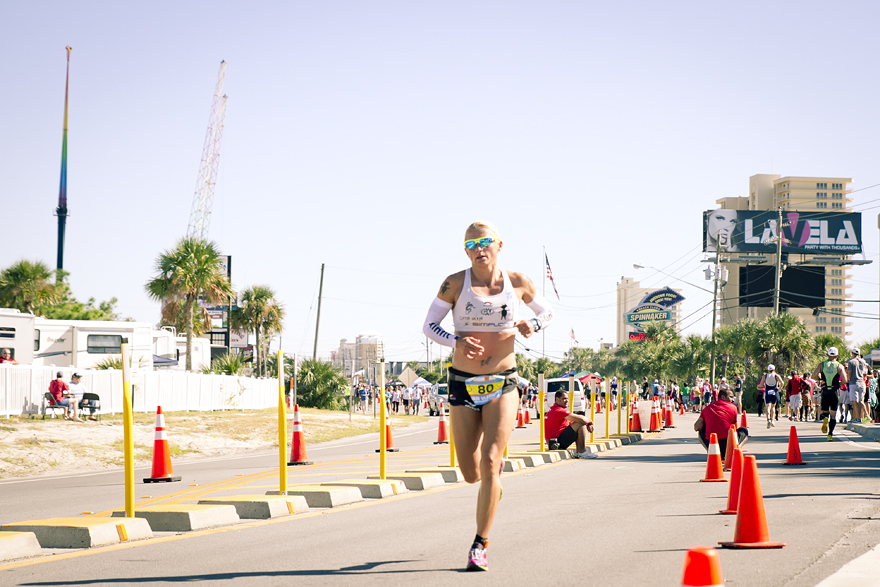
column 554, row 385
column 438, row 394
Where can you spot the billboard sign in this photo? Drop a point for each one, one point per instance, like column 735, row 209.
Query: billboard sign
column 754, row 231
column 648, row 313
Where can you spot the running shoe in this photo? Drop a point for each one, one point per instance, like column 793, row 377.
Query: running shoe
column 830, row 438
column 587, row 455
column 825, row 425
column 769, row 423
column 477, row 560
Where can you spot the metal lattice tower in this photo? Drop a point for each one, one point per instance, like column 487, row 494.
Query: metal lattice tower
column 203, row 200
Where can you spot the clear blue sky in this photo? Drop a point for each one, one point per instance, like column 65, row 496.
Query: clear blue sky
column 366, row 135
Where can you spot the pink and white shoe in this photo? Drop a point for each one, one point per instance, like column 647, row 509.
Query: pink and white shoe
column 477, row 560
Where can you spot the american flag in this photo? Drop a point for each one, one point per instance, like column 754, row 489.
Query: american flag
column 572, row 335
column 550, row 275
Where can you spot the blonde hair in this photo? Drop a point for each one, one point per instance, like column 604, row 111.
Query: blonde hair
column 482, row 224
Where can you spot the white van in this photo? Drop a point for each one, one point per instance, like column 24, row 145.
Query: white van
column 554, row 385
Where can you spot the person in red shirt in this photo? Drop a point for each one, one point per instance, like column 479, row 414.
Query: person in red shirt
column 566, row 427
column 59, row 390
column 6, row 357
column 717, row 417
column 793, row 395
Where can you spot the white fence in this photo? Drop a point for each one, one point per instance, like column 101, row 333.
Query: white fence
column 23, row 387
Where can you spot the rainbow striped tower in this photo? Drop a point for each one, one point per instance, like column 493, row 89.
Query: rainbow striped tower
column 61, row 210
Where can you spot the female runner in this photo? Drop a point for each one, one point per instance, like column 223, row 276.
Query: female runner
column 485, row 303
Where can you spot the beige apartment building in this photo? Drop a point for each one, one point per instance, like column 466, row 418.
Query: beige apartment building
column 769, row 192
column 629, row 294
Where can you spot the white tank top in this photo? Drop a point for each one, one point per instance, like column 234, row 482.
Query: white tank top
column 475, row 313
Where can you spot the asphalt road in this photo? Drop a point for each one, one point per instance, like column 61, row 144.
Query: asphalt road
column 626, row 518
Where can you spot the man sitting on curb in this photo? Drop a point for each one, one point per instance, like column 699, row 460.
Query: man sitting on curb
column 566, row 427
column 717, row 417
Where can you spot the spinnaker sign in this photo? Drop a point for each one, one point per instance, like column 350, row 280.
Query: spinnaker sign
column 648, row 313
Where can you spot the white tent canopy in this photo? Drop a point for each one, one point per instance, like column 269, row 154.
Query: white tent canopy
column 421, row 382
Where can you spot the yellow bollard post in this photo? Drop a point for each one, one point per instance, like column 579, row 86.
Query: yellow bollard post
column 594, row 389
column 383, row 414
column 619, row 410
column 449, row 423
column 282, row 428
column 541, row 392
column 451, row 439
column 127, row 434
column 571, row 393
column 607, row 385
column 628, row 409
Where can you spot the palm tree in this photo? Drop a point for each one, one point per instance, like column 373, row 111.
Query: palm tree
column 259, row 312
column 26, row 285
column 320, row 385
column 785, row 338
column 189, row 271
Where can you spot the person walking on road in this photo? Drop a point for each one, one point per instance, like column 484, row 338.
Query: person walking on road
column 856, row 369
column 831, row 376
column 793, row 396
column 738, row 392
column 485, row 301
column 773, row 385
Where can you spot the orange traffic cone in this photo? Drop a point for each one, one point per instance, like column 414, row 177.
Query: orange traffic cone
column 744, row 422
column 702, row 568
column 681, row 409
column 598, row 406
column 519, row 417
column 669, row 423
column 298, row 441
column 389, row 442
column 527, row 418
column 161, row 457
column 635, row 422
column 735, row 482
column 656, row 424
column 794, row 449
column 732, row 443
column 751, row 523
column 442, row 434
column 714, row 471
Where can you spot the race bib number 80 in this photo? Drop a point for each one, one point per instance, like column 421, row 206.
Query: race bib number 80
column 484, row 388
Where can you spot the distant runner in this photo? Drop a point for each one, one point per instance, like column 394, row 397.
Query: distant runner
column 831, row 376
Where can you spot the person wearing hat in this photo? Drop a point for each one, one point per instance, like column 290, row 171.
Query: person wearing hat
column 77, row 390
column 856, row 370
column 831, row 376
column 773, row 384
column 61, row 394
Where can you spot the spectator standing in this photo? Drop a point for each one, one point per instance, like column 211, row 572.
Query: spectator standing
column 808, row 386
column 738, row 392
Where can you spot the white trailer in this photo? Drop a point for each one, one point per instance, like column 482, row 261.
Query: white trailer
column 85, row 343
column 17, row 334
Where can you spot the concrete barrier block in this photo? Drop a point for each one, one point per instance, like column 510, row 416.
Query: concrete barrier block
column 83, row 532
column 528, row 459
column 450, row 474
column 15, row 545
column 549, row 456
column 182, row 517
column 416, row 481
column 261, row 507
column 373, row 488
column 512, row 465
column 326, row 496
